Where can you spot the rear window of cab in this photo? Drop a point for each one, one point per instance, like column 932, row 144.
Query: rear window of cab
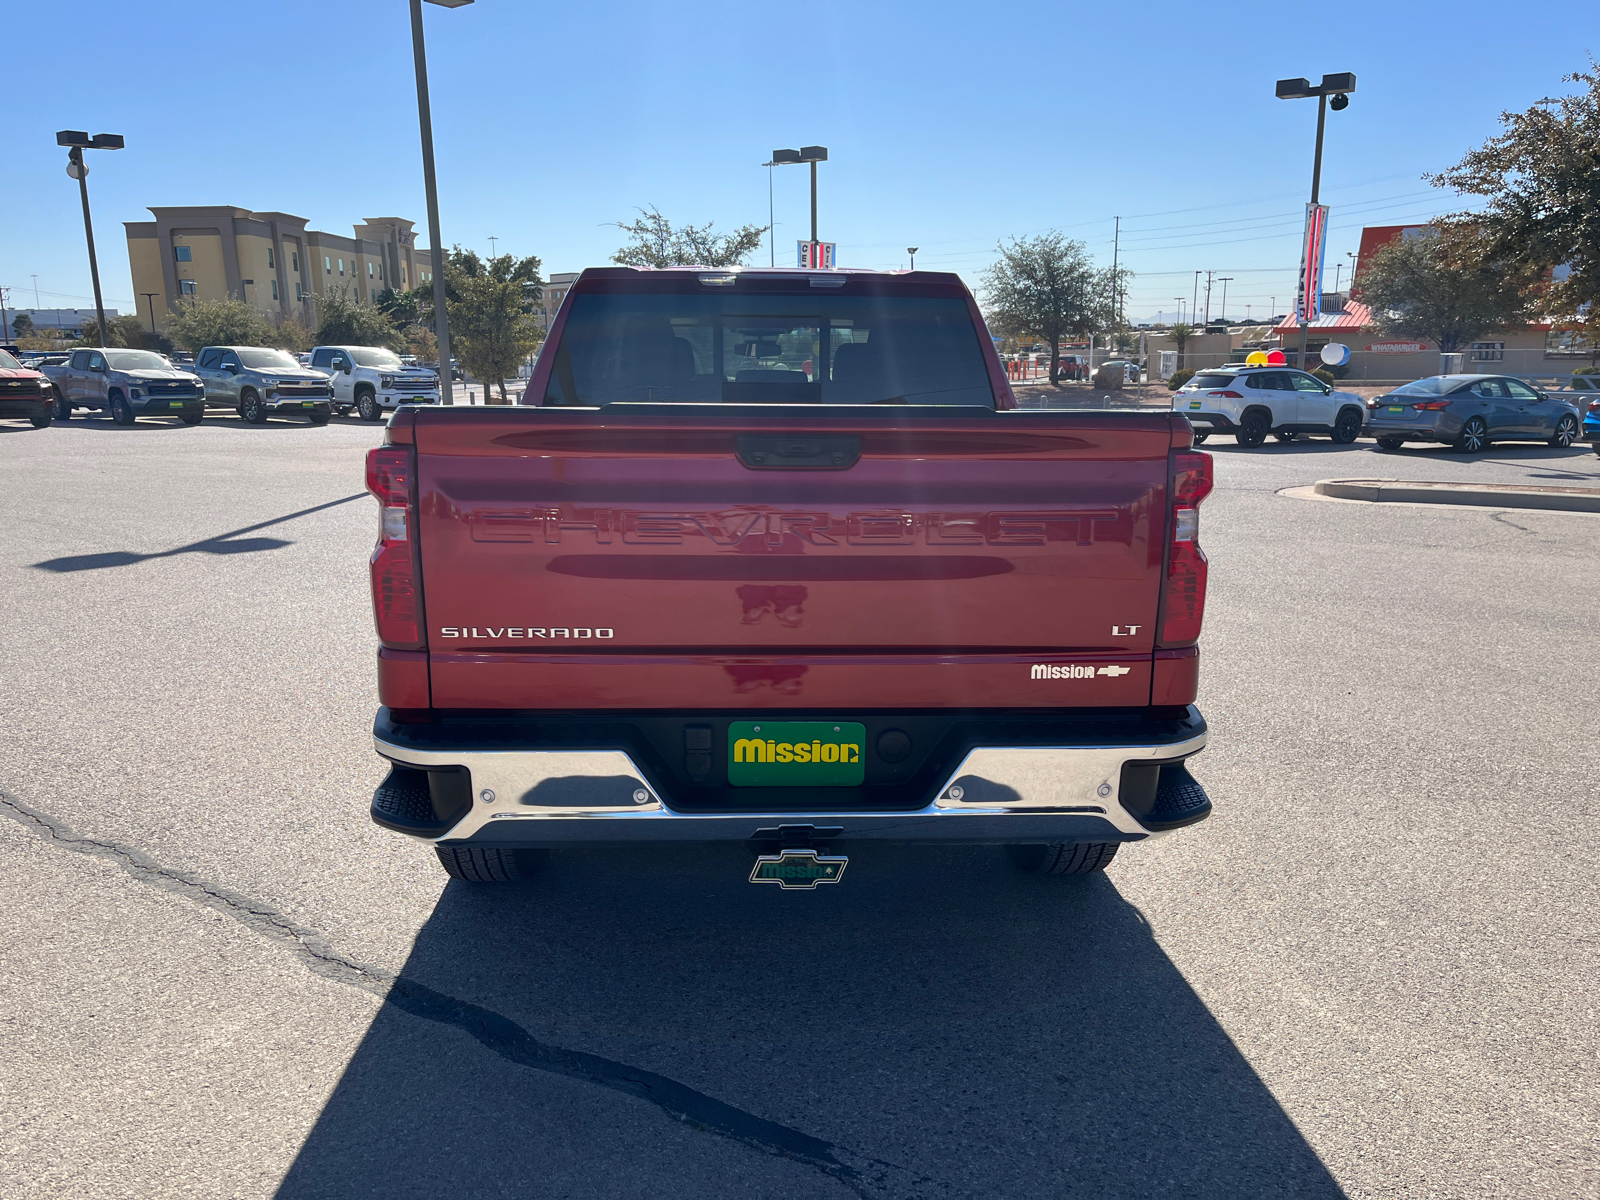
column 1201, row 383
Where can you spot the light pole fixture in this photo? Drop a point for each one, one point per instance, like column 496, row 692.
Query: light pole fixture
column 806, row 154
column 150, row 299
column 441, row 324
column 78, row 141
column 912, row 250
column 1338, row 86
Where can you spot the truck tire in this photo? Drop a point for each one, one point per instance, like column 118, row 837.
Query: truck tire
column 42, row 421
column 119, row 409
column 1082, row 858
column 317, row 418
column 473, row 864
column 1346, row 427
column 1389, row 443
column 1253, row 429
column 63, row 409
column 251, row 408
column 193, row 418
column 367, row 405
column 1284, row 435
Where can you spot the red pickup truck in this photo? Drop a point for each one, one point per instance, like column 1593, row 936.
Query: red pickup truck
column 769, row 556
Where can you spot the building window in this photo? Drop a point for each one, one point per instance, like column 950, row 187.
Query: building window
column 369, row 271
column 380, row 270
column 403, row 280
column 298, row 294
column 186, row 287
column 341, row 266
column 182, row 254
column 294, row 257
column 374, row 292
column 271, row 259
column 327, row 264
column 1488, row 351
column 274, row 289
column 1567, row 343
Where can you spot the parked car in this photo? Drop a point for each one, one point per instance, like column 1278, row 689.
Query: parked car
column 1251, row 402
column 935, row 619
column 1470, row 411
column 1591, row 425
column 260, row 382
column 1130, row 369
column 371, row 379
column 126, row 385
column 1073, row 366
column 24, row 392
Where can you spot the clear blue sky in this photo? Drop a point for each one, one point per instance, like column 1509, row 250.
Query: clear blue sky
column 949, row 125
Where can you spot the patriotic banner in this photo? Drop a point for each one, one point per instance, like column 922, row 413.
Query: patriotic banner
column 1308, row 299
column 817, row 254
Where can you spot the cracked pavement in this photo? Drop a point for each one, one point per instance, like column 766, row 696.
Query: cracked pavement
column 1370, row 974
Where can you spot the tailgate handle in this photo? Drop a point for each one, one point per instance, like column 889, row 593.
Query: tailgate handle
column 769, row 452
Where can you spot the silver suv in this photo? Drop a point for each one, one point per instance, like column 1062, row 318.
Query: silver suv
column 259, row 382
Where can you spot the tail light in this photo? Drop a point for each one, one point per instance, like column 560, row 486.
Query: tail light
column 1183, row 605
column 1431, row 405
column 1229, row 395
column 396, row 604
column 1594, row 407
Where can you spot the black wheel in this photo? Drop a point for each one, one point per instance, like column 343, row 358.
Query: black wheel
column 1566, row 432
column 121, row 413
column 63, row 409
column 1082, row 858
column 42, row 421
column 1200, row 438
column 1253, row 429
column 487, row 865
column 251, row 408
column 1284, row 436
column 1347, row 427
column 193, row 418
column 1389, row 443
column 317, row 418
column 1474, row 436
column 367, row 405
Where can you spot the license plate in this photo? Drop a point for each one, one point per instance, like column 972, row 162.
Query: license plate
column 308, row 404
column 796, row 753
column 175, row 403
column 1397, row 408
column 1194, row 404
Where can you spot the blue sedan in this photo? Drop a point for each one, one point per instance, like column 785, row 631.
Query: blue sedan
column 1591, row 425
column 1470, row 411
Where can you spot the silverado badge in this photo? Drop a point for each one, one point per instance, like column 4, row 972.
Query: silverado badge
column 799, row 869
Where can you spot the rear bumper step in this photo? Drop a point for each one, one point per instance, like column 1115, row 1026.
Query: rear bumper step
column 986, row 779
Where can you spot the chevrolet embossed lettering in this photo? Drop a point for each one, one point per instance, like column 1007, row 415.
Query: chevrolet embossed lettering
column 796, row 753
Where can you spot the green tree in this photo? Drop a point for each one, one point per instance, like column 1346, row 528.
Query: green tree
column 1439, row 286
column 491, row 304
column 200, row 323
column 22, row 325
column 1047, row 287
column 1180, row 333
column 346, row 321
column 655, row 243
column 1541, row 177
column 414, row 307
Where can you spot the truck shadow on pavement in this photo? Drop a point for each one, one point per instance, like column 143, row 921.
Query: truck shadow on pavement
column 222, row 543
column 647, row 1023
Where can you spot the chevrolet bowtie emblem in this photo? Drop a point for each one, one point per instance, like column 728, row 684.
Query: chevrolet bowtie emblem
column 1114, row 671
column 799, row 869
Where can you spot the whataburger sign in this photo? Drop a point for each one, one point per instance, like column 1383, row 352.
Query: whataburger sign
column 1396, row 347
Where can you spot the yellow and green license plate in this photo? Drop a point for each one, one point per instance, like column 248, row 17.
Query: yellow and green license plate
column 796, row 753
column 177, row 403
column 1397, row 408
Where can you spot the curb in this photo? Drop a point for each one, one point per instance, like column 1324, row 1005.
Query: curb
column 1400, row 491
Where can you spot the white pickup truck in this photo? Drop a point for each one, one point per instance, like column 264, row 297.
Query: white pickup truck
column 373, row 380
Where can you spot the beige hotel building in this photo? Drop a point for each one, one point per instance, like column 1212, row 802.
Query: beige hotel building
column 270, row 260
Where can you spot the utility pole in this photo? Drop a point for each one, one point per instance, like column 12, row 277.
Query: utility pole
column 1116, row 289
column 492, row 241
column 1194, row 300
column 5, row 321
column 1209, row 274
column 150, row 299
column 1225, row 281
column 36, row 292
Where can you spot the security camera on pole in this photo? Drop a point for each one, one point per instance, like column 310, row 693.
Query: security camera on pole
column 78, row 141
column 1308, row 298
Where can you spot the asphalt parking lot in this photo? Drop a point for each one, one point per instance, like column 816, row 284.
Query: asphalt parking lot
column 1370, row 974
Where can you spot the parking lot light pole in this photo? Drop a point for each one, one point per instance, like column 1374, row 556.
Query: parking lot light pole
column 912, row 250
column 1339, row 86
column 441, row 324
column 78, row 141
column 150, row 299
column 806, row 154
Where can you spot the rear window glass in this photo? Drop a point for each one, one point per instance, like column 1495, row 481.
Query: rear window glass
column 1437, row 385
column 270, row 360
column 136, row 360
column 1211, row 381
column 727, row 348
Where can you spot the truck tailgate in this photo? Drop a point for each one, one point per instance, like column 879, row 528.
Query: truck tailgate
column 597, row 559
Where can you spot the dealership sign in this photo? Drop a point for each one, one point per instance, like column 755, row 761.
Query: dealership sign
column 1308, row 296
column 1396, row 347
